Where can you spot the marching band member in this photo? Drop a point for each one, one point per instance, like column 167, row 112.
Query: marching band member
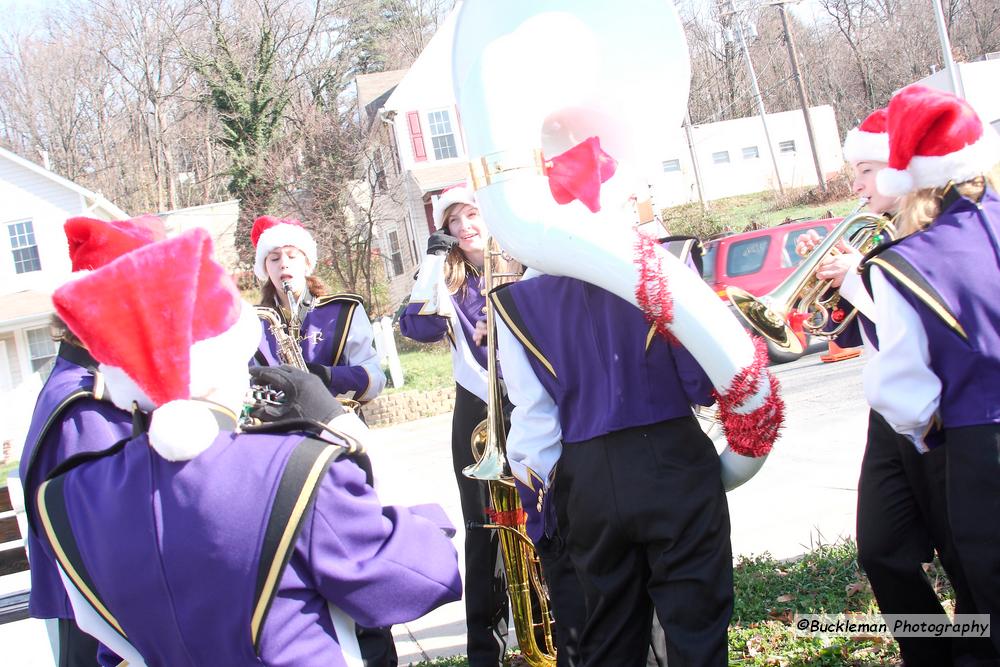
column 608, row 457
column 901, row 494
column 73, row 415
column 176, row 563
column 447, row 301
column 337, row 337
column 936, row 375
column 338, row 345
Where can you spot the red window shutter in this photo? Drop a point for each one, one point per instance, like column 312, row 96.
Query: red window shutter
column 429, row 213
column 416, row 136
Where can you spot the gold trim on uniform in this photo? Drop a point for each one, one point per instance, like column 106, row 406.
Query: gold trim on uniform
column 521, row 336
column 277, row 564
column 67, row 566
column 922, row 294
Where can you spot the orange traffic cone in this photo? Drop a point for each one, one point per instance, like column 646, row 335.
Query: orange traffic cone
column 838, row 353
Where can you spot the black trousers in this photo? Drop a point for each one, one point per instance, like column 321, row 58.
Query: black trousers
column 902, row 521
column 76, row 647
column 486, row 604
column 570, row 610
column 646, row 525
column 972, row 477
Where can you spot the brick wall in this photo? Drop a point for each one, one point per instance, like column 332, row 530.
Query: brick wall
column 406, row 406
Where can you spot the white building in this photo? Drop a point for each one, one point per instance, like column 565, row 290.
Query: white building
column 33, row 261
column 733, row 157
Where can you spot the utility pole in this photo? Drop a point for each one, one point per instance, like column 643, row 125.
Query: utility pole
column 694, row 160
column 756, row 92
column 802, row 95
column 949, row 61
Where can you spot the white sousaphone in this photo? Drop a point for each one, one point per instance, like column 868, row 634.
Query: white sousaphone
column 534, row 78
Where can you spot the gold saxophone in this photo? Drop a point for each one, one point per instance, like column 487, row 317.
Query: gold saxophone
column 287, row 340
column 525, row 582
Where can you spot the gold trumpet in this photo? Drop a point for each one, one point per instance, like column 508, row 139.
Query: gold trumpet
column 803, row 292
column 525, row 582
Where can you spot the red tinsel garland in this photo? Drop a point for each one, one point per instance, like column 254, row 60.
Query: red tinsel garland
column 509, row 518
column 652, row 292
column 754, row 433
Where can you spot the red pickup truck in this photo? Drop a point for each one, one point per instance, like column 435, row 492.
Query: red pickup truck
column 758, row 261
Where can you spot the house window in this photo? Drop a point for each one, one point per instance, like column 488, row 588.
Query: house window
column 671, row 165
column 41, row 350
column 395, row 253
column 787, row 146
column 720, row 157
column 750, row 152
column 23, row 246
column 442, row 137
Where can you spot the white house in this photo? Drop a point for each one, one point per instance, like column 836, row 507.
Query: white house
column 428, row 141
column 33, row 262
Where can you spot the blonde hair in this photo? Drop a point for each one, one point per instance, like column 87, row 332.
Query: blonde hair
column 919, row 209
column 457, row 266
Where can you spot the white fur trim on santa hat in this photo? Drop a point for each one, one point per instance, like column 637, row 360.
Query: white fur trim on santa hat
column 279, row 236
column 181, row 430
column 860, row 146
column 459, row 194
column 122, row 390
column 934, row 171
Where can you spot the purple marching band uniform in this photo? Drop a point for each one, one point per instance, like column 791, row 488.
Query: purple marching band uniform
column 337, row 336
column 936, row 376
column 902, row 511
column 432, row 315
column 70, row 418
column 607, row 454
column 321, row 554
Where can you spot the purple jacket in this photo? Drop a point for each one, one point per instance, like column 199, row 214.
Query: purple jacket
column 179, row 552
column 948, row 273
column 597, row 357
column 325, row 337
column 84, row 424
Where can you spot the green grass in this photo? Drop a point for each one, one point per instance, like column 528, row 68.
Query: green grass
column 758, row 210
column 769, row 593
column 5, row 470
column 424, row 370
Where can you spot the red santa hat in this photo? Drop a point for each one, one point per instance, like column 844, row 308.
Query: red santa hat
column 269, row 233
column 456, row 194
column 167, row 324
column 934, row 138
column 93, row 243
column 869, row 142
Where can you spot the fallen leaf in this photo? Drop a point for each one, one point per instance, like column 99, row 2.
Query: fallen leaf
column 787, row 597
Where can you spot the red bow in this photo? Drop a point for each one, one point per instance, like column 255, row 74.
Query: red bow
column 579, row 172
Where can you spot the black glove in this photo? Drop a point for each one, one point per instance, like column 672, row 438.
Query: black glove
column 322, row 372
column 305, row 399
column 440, row 242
